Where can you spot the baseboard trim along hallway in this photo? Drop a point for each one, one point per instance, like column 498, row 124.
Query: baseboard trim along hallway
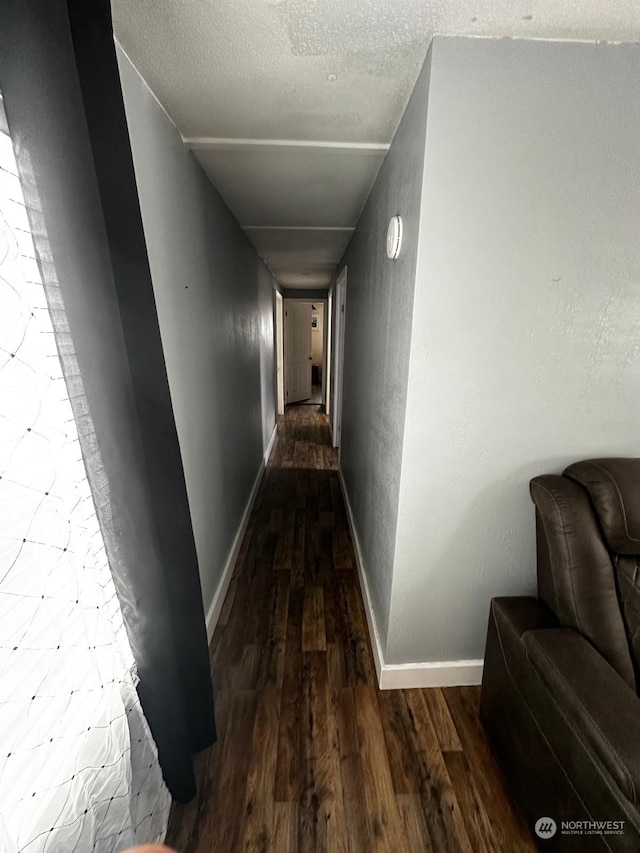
column 215, row 608
column 403, row 676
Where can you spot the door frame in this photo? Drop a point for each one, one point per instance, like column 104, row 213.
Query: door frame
column 279, row 354
column 327, row 366
column 326, row 341
column 338, row 356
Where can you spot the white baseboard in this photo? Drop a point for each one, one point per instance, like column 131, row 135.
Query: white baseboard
column 402, row 676
column 213, row 613
column 442, row 673
column 374, row 634
column 272, row 441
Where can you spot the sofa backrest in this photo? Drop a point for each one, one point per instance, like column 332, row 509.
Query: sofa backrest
column 575, row 569
column 614, row 489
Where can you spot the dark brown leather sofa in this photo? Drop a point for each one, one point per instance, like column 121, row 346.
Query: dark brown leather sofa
column 559, row 692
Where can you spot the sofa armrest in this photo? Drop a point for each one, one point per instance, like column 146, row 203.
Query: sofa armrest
column 510, row 617
column 517, row 614
column 598, row 705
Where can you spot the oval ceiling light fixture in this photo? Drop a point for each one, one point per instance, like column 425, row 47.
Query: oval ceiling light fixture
column 394, row 237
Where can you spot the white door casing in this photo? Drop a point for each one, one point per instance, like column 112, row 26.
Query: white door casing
column 338, row 360
column 297, row 350
column 326, row 373
column 279, row 354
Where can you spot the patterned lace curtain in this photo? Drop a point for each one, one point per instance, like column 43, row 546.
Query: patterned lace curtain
column 78, row 766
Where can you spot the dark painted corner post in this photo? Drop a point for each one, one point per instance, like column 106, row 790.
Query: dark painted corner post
column 62, row 94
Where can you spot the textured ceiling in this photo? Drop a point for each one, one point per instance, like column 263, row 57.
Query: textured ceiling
column 329, row 71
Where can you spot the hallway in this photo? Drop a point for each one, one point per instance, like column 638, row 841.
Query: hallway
column 311, row 756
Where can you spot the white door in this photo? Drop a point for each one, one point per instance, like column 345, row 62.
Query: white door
column 297, row 350
column 338, row 360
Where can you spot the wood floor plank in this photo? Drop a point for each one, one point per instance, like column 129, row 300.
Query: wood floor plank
column 332, row 620
column 342, row 550
column 321, row 809
column 314, row 638
column 351, row 773
column 297, row 554
column 248, row 670
column 400, row 758
column 258, row 824
column 338, row 826
column 284, row 547
column 327, row 518
column 285, row 828
column 288, row 452
column 312, row 807
column 382, row 806
column 288, row 784
column 359, row 665
column 441, row 719
column 316, row 454
column 463, row 705
column 479, row 828
column 235, row 577
column 276, row 520
column 441, row 809
column 335, row 665
column 271, row 661
column 416, row 833
column 311, row 756
column 224, row 818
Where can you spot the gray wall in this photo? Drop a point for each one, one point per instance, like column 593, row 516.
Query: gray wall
column 525, row 344
column 215, row 306
column 377, row 344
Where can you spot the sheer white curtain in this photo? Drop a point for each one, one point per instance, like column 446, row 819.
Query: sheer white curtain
column 78, row 766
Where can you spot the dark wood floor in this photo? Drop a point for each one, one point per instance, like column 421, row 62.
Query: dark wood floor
column 311, row 755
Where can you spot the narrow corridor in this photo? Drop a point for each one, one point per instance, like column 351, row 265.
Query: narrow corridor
column 311, row 755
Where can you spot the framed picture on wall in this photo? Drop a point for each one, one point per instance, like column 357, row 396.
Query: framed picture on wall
column 314, row 321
